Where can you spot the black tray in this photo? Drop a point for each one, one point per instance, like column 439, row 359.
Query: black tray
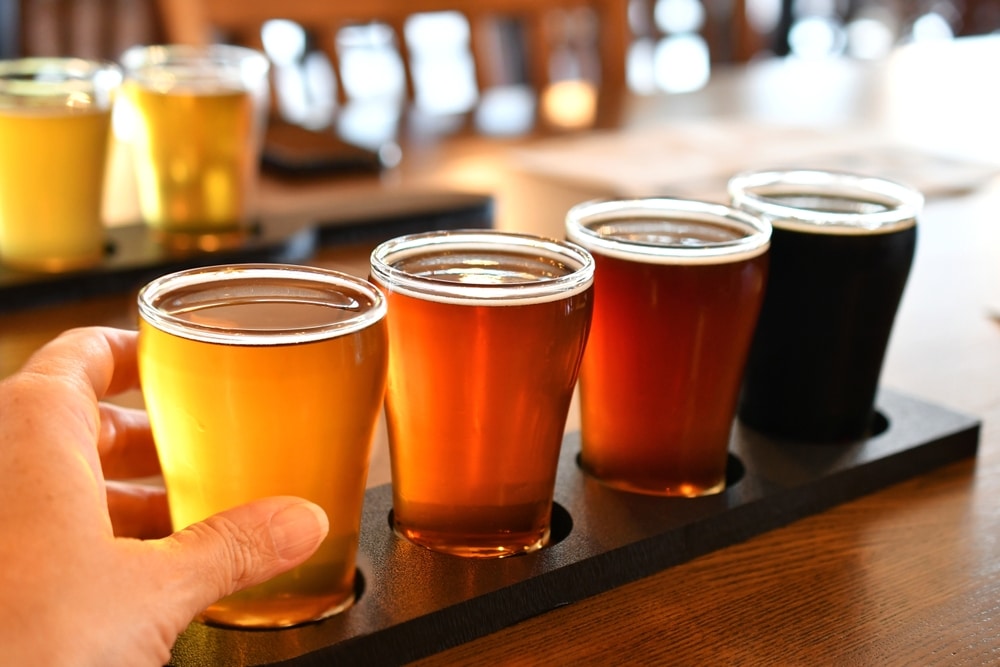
column 415, row 603
column 135, row 256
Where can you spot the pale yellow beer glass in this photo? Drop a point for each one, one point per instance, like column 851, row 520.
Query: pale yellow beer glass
column 195, row 122
column 55, row 117
column 265, row 380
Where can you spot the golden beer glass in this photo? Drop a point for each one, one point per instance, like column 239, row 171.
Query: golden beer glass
column 55, row 120
column 265, row 380
column 195, row 124
column 486, row 332
column 678, row 289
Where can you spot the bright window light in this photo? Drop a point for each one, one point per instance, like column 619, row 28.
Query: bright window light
column 681, row 63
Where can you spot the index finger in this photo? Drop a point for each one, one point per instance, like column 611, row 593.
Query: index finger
column 51, row 420
column 98, row 359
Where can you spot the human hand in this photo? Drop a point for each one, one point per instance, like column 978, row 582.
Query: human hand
column 76, row 586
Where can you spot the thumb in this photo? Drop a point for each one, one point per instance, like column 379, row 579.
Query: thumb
column 245, row 546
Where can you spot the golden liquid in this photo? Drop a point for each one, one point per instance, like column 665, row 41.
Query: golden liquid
column 51, row 187
column 238, row 422
column 195, row 158
column 476, row 407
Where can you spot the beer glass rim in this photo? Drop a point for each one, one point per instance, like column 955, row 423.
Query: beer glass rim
column 135, row 59
column 748, row 190
column 582, row 218
column 576, row 280
column 219, row 280
column 72, row 75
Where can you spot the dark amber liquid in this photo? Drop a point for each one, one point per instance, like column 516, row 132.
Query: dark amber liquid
column 662, row 370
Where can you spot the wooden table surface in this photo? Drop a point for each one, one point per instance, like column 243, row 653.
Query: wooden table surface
column 909, row 575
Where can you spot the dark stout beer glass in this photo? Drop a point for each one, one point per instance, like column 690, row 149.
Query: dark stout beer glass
column 486, row 333
column 678, row 288
column 840, row 256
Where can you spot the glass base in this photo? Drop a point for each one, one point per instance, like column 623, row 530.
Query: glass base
column 483, row 547
column 279, row 612
column 666, row 488
column 673, row 490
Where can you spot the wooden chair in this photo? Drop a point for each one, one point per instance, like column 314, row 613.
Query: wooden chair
column 83, row 28
column 240, row 21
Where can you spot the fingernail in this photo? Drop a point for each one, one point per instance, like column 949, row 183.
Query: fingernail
column 298, row 529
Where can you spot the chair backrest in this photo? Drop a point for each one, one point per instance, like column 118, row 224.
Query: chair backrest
column 543, row 29
column 80, row 28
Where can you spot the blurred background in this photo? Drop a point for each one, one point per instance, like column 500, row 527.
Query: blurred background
column 347, row 77
column 675, row 44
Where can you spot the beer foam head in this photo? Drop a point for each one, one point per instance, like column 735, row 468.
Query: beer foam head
column 667, row 231
column 482, row 267
column 826, row 202
column 202, row 70
column 260, row 304
column 63, row 84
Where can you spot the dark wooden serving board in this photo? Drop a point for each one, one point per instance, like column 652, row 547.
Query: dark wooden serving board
column 414, row 602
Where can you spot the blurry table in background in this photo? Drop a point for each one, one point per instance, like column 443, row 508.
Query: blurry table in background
column 907, row 575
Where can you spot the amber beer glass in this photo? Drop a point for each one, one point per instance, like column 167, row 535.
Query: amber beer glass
column 840, row 256
column 195, row 121
column 486, row 332
column 678, row 288
column 266, row 380
column 55, row 120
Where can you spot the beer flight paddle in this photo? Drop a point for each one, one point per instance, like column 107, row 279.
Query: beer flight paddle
column 416, row 602
column 420, row 586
